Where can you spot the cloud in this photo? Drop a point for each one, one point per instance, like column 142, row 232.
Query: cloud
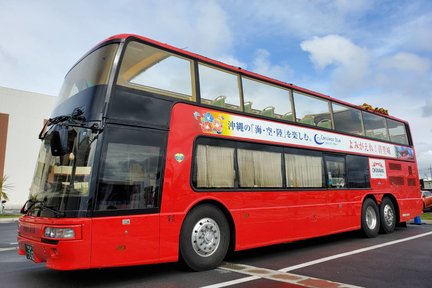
column 350, row 62
column 304, row 19
column 262, row 65
column 346, row 7
column 407, row 62
column 405, row 73
column 427, row 109
column 416, row 33
column 47, row 38
column 214, row 33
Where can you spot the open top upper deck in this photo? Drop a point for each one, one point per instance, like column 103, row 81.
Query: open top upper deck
column 165, row 70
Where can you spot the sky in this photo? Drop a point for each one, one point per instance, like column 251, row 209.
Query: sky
column 359, row 51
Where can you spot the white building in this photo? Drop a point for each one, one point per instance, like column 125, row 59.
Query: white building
column 22, row 115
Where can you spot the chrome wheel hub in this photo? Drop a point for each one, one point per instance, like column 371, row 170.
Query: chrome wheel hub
column 371, row 218
column 205, row 237
column 388, row 215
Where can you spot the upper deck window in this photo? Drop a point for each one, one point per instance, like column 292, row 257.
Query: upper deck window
column 219, row 88
column 375, row 126
column 347, row 119
column 312, row 111
column 266, row 100
column 397, row 132
column 155, row 70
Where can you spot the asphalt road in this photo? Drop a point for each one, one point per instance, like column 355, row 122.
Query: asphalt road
column 400, row 259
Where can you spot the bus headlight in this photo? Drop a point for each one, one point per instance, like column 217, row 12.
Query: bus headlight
column 59, row 233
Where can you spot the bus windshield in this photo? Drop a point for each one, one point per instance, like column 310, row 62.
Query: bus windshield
column 61, row 183
column 91, row 71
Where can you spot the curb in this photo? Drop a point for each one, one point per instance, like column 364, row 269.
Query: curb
column 9, row 220
column 422, row 222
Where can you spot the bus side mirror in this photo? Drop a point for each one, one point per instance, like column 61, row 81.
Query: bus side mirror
column 60, row 141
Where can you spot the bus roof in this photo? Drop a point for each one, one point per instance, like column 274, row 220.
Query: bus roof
column 239, row 70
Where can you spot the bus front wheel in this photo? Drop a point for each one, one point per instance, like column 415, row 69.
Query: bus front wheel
column 387, row 215
column 204, row 238
column 370, row 219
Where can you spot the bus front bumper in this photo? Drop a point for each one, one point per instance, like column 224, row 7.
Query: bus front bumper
column 58, row 254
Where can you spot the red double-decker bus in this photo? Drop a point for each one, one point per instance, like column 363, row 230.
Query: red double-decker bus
column 155, row 154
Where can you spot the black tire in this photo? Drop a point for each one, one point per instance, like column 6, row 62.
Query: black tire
column 370, row 219
column 387, row 216
column 204, row 238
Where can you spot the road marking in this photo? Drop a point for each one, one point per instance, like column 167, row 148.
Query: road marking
column 256, row 276
column 325, row 259
column 13, row 243
column 232, row 282
column 8, row 249
column 298, row 280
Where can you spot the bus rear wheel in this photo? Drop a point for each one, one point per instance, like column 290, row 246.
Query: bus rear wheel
column 370, row 220
column 387, row 215
column 204, row 238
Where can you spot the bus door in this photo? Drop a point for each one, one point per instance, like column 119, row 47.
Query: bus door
column 126, row 217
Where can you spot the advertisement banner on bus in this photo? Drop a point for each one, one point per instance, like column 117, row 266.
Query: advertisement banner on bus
column 213, row 122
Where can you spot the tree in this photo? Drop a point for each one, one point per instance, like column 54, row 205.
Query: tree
column 4, row 188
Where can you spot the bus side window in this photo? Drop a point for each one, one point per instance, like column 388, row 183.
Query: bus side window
column 375, row 126
column 357, row 171
column 397, row 132
column 259, row 169
column 312, row 110
column 267, row 100
column 335, row 166
column 347, row 119
column 303, row 171
column 214, row 167
column 219, row 88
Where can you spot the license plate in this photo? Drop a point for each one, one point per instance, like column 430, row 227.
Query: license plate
column 29, row 252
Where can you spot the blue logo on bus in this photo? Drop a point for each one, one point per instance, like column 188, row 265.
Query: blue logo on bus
column 317, row 140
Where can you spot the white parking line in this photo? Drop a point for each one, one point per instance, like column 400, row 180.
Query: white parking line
column 233, row 282
column 8, row 249
column 310, row 263
column 325, row 259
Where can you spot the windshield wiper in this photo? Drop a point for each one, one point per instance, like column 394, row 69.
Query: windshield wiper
column 42, row 205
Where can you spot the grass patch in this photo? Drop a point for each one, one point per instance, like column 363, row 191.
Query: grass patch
column 10, row 215
column 426, row 216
